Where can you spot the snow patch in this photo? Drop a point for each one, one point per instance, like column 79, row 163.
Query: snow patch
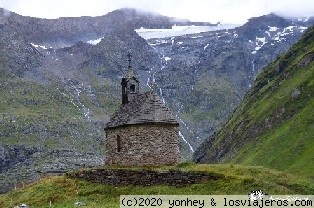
column 289, row 28
column 167, row 58
column 279, row 36
column 303, row 19
column 257, row 48
column 158, row 42
column 39, row 46
column 194, row 37
column 180, row 30
column 260, row 42
column 306, row 19
column 268, row 33
column 94, row 42
column 302, row 29
column 272, row 29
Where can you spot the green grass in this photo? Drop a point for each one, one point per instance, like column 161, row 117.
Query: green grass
column 106, row 102
column 237, row 179
column 35, row 114
column 271, row 127
column 288, row 147
column 289, row 143
column 209, row 101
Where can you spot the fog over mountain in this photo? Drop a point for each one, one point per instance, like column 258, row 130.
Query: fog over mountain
column 226, row 11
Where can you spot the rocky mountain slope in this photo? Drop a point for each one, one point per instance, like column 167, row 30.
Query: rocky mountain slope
column 274, row 125
column 60, row 81
column 55, row 100
column 205, row 76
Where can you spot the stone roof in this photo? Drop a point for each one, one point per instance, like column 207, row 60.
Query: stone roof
column 145, row 108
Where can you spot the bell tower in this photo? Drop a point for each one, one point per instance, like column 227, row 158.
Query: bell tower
column 129, row 84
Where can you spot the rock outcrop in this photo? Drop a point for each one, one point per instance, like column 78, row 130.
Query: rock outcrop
column 144, row 177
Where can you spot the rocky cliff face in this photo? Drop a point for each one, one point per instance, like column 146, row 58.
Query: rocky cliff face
column 60, row 81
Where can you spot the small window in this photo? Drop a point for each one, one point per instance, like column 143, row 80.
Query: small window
column 132, row 88
column 118, row 143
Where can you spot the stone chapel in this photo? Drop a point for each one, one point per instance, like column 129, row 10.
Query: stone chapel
column 143, row 131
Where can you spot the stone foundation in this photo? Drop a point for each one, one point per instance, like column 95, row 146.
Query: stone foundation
column 144, row 177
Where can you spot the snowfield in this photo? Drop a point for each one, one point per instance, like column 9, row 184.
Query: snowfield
column 180, row 30
column 95, row 42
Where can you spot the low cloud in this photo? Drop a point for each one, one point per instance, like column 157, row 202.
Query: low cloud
column 232, row 11
column 291, row 8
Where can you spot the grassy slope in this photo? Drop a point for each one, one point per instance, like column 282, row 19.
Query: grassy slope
column 25, row 104
column 48, row 114
column 63, row 191
column 271, row 127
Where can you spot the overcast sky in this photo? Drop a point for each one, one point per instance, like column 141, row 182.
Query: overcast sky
column 226, row 11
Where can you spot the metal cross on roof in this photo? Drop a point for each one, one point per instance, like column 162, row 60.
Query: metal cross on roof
column 129, row 58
